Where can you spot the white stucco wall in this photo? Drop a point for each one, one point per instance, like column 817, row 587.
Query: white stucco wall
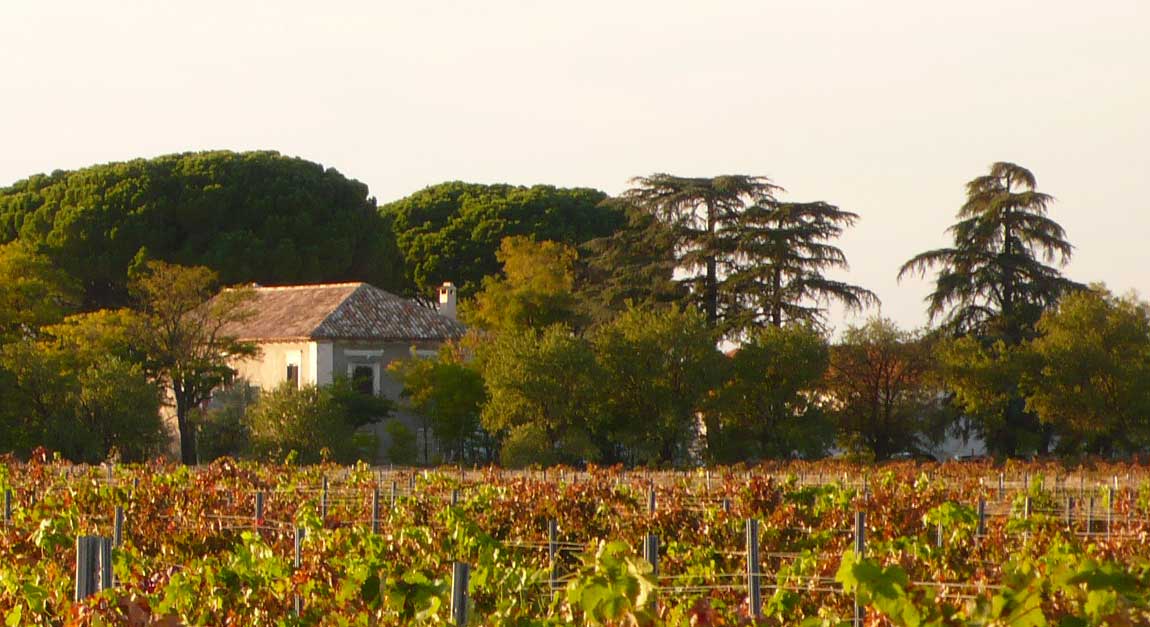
column 321, row 362
column 269, row 368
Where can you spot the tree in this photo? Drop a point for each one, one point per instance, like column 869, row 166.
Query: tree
column 304, row 420
column 451, row 231
column 880, row 386
column 768, row 407
column 698, row 211
column 535, row 291
column 251, row 216
column 660, row 367
column 984, row 378
column 542, row 388
column 448, row 393
column 77, row 388
column 33, row 292
column 182, row 332
column 777, row 274
column 635, row 266
column 1088, row 372
column 995, row 281
column 222, row 428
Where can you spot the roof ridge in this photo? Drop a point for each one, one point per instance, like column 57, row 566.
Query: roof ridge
column 307, row 286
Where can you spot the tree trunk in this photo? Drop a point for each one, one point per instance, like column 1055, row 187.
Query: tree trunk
column 187, row 433
column 711, row 290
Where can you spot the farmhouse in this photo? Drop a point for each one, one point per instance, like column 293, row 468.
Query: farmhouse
column 311, row 334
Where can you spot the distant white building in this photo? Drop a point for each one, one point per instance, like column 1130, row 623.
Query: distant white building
column 311, row 334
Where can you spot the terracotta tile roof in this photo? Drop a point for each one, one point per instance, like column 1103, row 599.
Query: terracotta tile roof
column 340, row 311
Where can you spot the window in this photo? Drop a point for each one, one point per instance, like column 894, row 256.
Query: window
column 363, row 379
column 293, row 374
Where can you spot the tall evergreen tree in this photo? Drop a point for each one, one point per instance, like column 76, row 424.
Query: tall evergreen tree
column 777, row 273
column 699, row 212
column 633, row 266
column 995, row 281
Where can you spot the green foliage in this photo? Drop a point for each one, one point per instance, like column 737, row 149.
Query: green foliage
column 699, row 213
column 253, row 216
column 180, row 329
column 33, row 292
column 222, row 429
column 633, row 267
column 77, row 390
column 542, row 388
column 449, row 393
column 451, row 231
column 1088, row 369
column 768, row 408
column 880, row 382
column 782, row 252
column 357, row 408
column 306, row 420
column 984, row 379
column 993, row 281
column 401, row 450
column 662, row 366
column 612, row 586
column 534, row 291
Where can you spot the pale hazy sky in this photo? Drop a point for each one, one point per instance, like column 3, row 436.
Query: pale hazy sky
column 883, row 107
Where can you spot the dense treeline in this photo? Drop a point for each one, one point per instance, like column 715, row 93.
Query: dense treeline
column 596, row 322
column 255, row 216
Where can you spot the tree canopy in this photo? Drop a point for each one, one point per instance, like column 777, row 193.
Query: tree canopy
column 1088, row 371
column 180, row 330
column 534, row 291
column 996, row 278
column 451, row 231
column 880, row 386
column 252, row 216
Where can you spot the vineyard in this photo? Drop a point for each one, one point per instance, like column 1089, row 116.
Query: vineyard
column 782, row 544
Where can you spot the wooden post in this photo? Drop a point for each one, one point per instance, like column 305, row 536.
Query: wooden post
column 651, row 498
column 7, row 506
column 754, row 592
column 1090, row 517
column 86, row 549
column 1110, row 508
column 938, row 535
column 1026, row 508
column 297, row 602
column 726, row 505
column 375, row 509
column 454, row 498
column 394, row 493
column 460, row 574
column 118, row 527
column 104, row 546
column 259, row 508
column 1070, row 513
column 860, row 551
column 651, row 554
column 1001, row 486
column 323, row 501
column 553, row 553
column 981, row 517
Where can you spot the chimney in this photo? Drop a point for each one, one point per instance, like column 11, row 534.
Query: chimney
column 447, row 300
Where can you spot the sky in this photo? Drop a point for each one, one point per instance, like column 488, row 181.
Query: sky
column 882, row 107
